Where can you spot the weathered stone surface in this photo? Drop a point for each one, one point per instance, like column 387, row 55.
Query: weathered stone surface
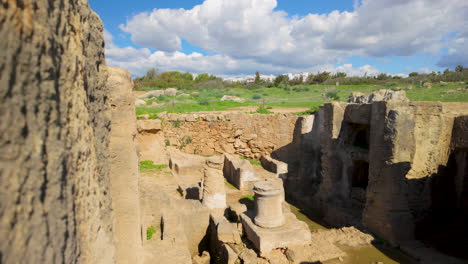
column 180, row 224
column 293, row 232
column 226, row 232
column 366, row 163
column 247, row 135
column 275, row 166
column 232, row 98
column 154, row 93
column 358, row 113
column 460, row 132
column 203, row 259
column 235, row 211
column 124, row 175
column 268, row 204
column 238, row 171
column 149, row 126
column 215, row 162
column 229, row 255
column 190, row 169
column 380, row 95
column 140, row 102
column 248, row 256
column 170, row 91
column 55, row 204
column 214, row 194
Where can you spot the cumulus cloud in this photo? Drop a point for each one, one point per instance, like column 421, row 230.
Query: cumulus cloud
column 137, row 61
column 252, row 33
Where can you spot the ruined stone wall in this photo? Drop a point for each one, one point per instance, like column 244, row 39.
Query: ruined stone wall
column 55, row 205
column 400, row 145
column 248, row 135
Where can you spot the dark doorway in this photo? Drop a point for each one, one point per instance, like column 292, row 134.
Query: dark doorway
column 359, row 181
column 360, row 175
column 358, row 135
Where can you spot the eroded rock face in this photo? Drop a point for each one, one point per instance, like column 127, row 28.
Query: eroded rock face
column 380, row 95
column 370, row 161
column 124, row 173
column 55, row 204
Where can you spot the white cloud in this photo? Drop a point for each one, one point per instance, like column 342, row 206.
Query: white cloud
column 252, row 34
column 137, row 61
column 458, row 53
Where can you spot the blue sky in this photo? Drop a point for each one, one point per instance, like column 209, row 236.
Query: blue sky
column 236, row 37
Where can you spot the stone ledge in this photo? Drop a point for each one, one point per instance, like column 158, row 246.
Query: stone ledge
column 293, row 232
column 150, row 126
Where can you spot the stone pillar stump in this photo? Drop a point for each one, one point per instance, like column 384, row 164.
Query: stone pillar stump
column 268, row 204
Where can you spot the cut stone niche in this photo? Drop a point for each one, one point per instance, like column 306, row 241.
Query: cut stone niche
column 359, row 180
column 358, row 135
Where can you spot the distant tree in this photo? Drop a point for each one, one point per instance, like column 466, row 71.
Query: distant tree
column 187, row 76
column 281, row 79
column 413, row 74
column 205, row 77
column 447, row 71
column 340, row 75
column 383, row 76
column 296, row 80
column 321, row 77
column 257, row 78
column 459, row 68
column 310, row 78
column 301, row 80
column 151, row 74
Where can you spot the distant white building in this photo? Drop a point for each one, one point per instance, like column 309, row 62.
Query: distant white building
column 250, row 79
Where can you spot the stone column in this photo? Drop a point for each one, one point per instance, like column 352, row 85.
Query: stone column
column 214, row 194
column 268, row 204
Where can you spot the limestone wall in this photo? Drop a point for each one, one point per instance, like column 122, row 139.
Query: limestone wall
column 55, row 204
column 375, row 164
column 248, row 135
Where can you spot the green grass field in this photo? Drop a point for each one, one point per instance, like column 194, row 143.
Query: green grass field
column 294, row 96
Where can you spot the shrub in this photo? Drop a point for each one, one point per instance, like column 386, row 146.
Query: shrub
column 167, row 142
column 162, row 98
column 255, row 162
column 188, row 140
column 312, row 111
column 148, row 165
column 331, row 94
column 176, row 123
column 256, row 96
column 301, row 89
column 249, row 197
column 262, row 110
column 185, row 141
column 150, row 231
column 153, row 116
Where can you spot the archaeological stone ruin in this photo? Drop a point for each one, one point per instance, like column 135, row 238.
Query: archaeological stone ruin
column 378, row 173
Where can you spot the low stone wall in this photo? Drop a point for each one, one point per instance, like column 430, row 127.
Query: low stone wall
column 247, row 135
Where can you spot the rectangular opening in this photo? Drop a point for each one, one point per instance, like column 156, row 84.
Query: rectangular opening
column 360, row 174
column 358, row 135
